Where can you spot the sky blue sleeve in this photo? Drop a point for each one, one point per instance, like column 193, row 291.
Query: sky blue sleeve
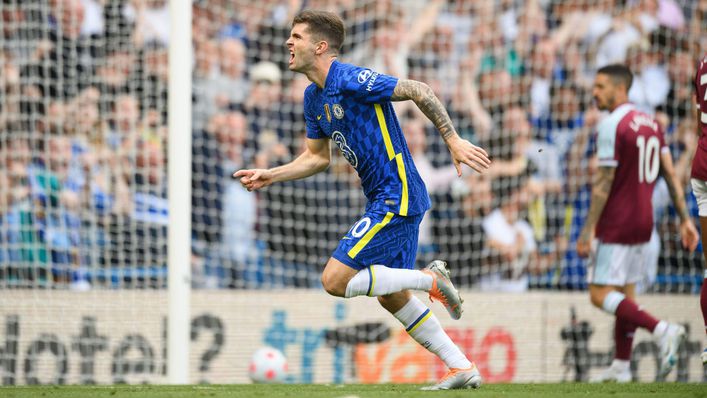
column 367, row 86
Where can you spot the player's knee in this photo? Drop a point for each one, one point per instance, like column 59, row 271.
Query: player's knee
column 596, row 299
column 333, row 285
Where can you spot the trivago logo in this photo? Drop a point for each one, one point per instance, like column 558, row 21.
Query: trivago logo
column 404, row 361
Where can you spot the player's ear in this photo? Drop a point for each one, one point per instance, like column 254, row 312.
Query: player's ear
column 322, row 47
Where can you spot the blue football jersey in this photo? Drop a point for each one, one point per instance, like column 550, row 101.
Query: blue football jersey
column 354, row 110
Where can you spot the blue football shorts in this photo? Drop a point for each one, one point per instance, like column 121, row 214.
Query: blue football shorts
column 380, row 238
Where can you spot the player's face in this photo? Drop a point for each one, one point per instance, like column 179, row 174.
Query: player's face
column 603, row 92
column 301, row 47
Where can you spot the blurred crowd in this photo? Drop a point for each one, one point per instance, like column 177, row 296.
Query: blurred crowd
column 83, row 136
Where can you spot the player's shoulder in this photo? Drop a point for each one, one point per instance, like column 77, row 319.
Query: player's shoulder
column 311, row 92
column 351, row 72
column 617, row 121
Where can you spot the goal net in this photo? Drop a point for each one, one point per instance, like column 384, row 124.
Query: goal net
column 84, row 204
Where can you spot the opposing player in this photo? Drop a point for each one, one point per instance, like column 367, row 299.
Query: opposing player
column 631, row 153
column 352, row 106
column 699, row 175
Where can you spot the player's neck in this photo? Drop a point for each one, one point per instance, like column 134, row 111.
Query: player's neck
column 618, row 103
column 320, row 71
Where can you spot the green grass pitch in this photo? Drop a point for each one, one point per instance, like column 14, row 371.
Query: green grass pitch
column 565, row 390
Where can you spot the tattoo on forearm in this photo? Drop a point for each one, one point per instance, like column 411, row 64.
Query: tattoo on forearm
column 600, row 194
column 429, row 104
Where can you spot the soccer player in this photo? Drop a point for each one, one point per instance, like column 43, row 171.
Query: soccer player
column 699, row 175
column 352, row 106
column 631, row 154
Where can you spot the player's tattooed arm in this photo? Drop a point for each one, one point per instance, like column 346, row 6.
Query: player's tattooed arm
column 677, row 194
column 601, row 188
column 462, row 150
column 425, row 99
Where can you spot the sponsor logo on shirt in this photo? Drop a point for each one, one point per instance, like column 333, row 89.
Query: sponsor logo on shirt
column 346, row 151
column 369, row 86
column 364, row 75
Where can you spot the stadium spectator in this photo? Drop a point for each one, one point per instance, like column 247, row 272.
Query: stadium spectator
column 239, row 209
column 124, row 124
column 151, row 76
column 393, row 39
column 20, row 34
column 461, row 236
column 543, row 66
column 227, row 85
column 510, row 237
column 206, row 60
column 437, row 180
column 93, row 22
column 681, row 70
column 565, row 120
column 620, row 216
column 651, row 83
column 262, row 105
column 67, row 67
column 150, row 19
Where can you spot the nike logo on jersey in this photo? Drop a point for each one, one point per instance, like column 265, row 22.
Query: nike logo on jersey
column 319, row 117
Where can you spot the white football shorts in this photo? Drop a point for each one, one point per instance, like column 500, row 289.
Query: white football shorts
column 617, row 264
column 699, row 188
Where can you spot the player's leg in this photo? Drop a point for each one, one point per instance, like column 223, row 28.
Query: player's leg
column 703, row 290
column 376, row 257
column 422, row 325
column 620, row 368
column 624, row 332
column 699, row 188
column 611, row 270
column 342, row 280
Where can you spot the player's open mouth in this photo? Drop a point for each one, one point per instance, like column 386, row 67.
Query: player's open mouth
column 292, row 57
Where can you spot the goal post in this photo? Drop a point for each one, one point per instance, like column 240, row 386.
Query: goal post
column 179, row 195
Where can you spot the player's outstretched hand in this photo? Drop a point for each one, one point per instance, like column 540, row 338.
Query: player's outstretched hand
column 584, row 243
column 254, row 178
column 689, row 235
column 471, row 155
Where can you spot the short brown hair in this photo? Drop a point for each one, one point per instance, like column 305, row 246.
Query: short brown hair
column 323, row 25
column 618, row 73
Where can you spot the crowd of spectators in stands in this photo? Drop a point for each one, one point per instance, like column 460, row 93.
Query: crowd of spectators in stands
column 83, row 135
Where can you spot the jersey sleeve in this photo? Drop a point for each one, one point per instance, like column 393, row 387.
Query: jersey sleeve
column 314, row 131
column 606, row 143
column 367, row 86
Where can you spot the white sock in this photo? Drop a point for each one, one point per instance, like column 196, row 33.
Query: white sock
column 612, row 301
column 378, row 280
column 660, row 329
column 621, row 364
column 423, row 326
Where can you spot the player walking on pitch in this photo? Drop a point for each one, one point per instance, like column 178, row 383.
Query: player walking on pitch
column 699, row 175
column 352, row 106
column 631, row 153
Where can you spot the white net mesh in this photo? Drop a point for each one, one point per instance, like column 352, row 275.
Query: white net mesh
column 83, row 103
